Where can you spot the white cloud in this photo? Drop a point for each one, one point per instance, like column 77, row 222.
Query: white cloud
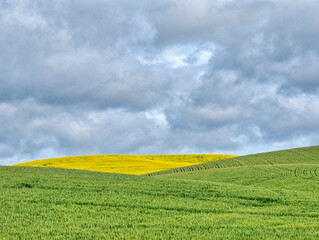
column 84, row 77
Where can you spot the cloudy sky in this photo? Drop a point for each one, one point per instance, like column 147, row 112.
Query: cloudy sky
column 157, row 77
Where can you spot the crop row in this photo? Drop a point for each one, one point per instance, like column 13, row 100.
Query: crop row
column 308, row 155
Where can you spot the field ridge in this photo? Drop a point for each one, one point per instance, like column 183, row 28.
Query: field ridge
column 304, row 155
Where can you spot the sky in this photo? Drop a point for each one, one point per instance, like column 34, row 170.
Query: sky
column 157, row 77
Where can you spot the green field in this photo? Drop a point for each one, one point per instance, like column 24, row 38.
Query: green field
column 264, row 196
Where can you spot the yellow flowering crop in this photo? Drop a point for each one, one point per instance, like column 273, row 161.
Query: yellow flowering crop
column 128, row 164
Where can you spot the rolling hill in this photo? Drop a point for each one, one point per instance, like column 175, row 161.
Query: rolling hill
column 262, row 196
column 127, row 164
column 306, row 155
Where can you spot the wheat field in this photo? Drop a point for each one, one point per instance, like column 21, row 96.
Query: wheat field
column 273, row 195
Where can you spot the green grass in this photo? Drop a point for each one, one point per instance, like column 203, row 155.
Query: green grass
column 306, row 155
column 267, row 196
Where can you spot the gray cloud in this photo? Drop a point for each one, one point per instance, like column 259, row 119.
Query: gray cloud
column 94, row 77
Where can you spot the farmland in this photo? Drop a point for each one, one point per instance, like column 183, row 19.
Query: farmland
column 128, row 164
column 264, row 196
column 304, row 156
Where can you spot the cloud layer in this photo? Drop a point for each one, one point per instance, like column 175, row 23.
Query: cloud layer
column 96, row 77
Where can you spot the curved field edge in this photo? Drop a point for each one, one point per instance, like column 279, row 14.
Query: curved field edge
column 126, row 164
column 249, row 202
column 305, row 155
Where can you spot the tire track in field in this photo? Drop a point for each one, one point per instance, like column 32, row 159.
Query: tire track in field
column 302, row 171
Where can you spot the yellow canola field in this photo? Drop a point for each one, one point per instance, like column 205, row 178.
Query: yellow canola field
column 127, row 164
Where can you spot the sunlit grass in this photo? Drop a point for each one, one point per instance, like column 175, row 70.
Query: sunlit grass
column 265, row 196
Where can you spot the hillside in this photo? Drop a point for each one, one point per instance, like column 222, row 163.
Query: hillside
column 263, row 196
column 127, row 164
column 306, row 155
